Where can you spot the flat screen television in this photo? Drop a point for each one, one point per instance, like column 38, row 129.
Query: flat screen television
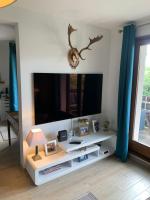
column 65, row 96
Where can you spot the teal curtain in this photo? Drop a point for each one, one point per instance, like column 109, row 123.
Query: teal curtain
column 125, row 90
column 13, row 83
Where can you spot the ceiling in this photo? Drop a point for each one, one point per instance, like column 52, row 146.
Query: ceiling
column 105, row 13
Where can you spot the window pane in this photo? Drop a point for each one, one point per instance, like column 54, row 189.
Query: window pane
column 142, row 117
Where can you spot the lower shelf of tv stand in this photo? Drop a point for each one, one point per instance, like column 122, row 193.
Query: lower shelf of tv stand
column 49, row 177
column 67, row 166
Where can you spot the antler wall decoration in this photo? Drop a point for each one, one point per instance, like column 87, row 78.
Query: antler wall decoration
column 74, row 55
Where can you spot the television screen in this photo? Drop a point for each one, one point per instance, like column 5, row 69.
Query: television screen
column 65, row 96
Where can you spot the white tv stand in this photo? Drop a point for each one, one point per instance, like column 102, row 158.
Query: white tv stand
column 66, row 159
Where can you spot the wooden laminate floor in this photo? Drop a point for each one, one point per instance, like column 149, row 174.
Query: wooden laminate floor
column 108, row 179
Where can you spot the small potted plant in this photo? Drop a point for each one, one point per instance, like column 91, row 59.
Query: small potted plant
column 106, row 125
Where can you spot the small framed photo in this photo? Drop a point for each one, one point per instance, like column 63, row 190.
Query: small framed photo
column 84, row 131
column 50, row 147
column 95, row 125
column 83, row 127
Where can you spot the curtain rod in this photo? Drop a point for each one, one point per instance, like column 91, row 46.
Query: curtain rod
column 140, row 25
column 144, row 24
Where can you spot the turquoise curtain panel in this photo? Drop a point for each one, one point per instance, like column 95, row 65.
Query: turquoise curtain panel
column 13, row 83
column 125, row 91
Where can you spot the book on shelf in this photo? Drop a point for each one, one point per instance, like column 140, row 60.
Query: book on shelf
column 50, row 170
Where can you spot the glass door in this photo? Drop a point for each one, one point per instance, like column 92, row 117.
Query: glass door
column 140, row 114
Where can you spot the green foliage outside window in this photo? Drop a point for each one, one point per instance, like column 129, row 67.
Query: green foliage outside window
column 146, row 89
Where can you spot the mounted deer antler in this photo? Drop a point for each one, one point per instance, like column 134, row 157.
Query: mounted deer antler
column 74, row 54
column 70, row 30
column 92, row 41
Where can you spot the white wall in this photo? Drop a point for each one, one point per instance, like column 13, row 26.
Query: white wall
column 113, row 78
column 7, row 32
column 43, row 47
column 4, row 62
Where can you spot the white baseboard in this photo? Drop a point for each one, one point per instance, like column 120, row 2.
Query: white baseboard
column 139, row 160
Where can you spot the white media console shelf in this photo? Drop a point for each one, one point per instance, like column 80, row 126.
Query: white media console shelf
column 94, row 146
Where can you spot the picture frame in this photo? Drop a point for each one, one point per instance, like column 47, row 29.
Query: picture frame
column 83, row 127
column 51, row 147
column 95, row 125
column 84, row 131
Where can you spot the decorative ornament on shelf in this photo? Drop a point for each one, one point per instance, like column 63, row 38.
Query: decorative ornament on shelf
column 74, row 54
column 4, row 3
column 106, row 125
